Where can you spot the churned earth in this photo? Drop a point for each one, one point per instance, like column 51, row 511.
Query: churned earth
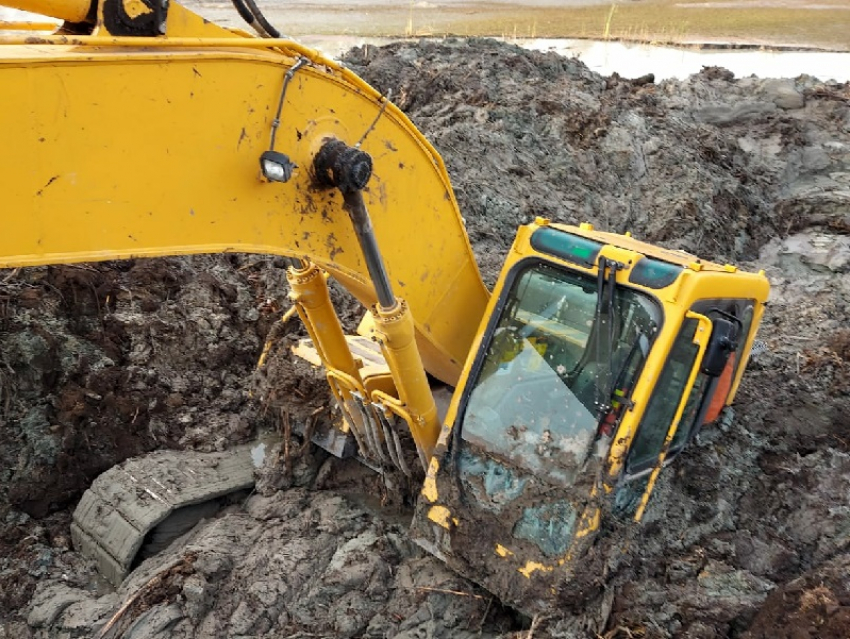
column 747, row 534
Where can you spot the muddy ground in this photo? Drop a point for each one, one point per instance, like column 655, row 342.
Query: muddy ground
column 747, row 535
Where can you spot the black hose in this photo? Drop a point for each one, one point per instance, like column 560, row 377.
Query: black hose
column 261, row 19
column 286, row 80
column 243, row 11
column 250, row 13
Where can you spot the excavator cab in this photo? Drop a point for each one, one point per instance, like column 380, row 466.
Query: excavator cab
column 597, row 362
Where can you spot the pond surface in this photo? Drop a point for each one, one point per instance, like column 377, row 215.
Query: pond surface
column 634, row 60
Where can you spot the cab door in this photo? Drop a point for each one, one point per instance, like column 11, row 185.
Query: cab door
column 658, row 439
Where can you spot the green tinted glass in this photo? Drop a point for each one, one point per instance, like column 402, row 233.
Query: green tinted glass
column 654, row 273
column 571, row 248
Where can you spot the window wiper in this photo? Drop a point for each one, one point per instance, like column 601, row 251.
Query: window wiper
column 605, row 317
column 639, row 348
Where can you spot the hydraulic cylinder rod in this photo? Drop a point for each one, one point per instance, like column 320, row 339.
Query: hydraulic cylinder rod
column 349, row 169
column 356, row 208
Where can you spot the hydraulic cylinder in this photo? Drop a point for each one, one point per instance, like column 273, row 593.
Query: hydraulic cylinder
column 349, row 169
column 394, row 330
column 309, row 292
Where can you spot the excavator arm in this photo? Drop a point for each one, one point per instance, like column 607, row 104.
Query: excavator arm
column 121, row 147
column 141, row 130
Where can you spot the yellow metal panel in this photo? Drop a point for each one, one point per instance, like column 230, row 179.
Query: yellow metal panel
column 154, row 151
column 70, row 10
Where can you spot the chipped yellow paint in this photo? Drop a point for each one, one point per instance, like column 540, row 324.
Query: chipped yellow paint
column 589, row 524
column 503, row 552
column 620, row 449
column 136, row 8
column 441, row 515
column 531, row 567
column 429, row 486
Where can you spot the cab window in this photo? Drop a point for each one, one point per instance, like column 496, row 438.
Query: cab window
column 662, row 406
column 549, row 367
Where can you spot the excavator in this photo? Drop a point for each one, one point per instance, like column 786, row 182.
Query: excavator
column 138, row 129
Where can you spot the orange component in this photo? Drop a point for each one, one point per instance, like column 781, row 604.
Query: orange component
column 718, row 400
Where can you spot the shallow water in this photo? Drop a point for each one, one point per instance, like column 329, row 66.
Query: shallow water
column 635, row 60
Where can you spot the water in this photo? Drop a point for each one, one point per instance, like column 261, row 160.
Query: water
column 635, row 60
column 258, row 454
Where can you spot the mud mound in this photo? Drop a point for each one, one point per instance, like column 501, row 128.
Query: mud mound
column 297, row 561
column 747, row 533
column 713, row 165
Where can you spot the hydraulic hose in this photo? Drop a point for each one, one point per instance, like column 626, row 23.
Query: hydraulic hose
column 250, row 12
column 265, row 24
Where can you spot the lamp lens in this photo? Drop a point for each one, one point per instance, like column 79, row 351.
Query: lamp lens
column 273, row 171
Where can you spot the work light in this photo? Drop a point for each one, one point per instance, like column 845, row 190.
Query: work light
column 276, row 167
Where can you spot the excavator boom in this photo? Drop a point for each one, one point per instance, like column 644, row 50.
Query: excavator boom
column 124, row 147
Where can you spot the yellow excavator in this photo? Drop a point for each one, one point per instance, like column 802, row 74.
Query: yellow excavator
column 139, row 129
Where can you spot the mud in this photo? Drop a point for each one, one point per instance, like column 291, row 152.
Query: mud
column 747, row 535
column 103, row 362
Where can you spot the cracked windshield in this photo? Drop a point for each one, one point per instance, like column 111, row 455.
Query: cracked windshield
column 541, row 396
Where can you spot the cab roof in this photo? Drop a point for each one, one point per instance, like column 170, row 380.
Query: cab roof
column 678, row 257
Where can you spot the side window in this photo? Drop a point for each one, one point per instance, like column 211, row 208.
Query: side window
column 662, row 406
column 689, row 417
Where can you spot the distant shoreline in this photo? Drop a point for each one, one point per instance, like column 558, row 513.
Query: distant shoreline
column 771, row 25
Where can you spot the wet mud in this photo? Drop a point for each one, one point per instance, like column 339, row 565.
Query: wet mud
column 747, row 534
